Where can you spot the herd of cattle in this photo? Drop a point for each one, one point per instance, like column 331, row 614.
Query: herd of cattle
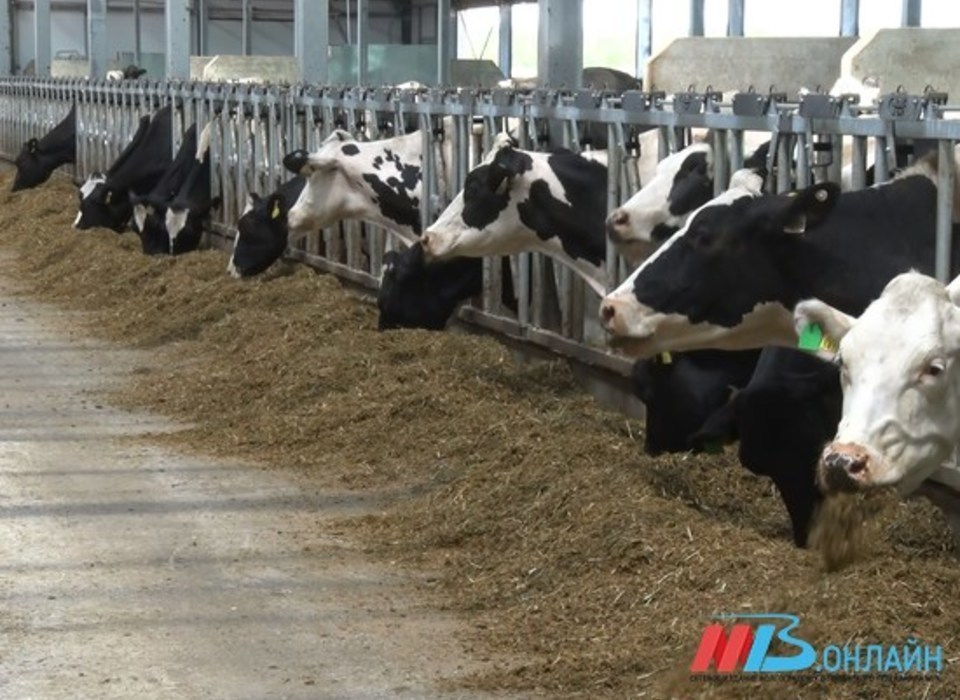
column 722, row 290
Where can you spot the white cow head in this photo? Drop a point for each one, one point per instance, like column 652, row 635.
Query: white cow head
column 901, row 384
column 377, row 181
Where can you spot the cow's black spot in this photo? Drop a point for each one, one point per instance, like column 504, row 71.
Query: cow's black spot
column 378, row 162
column 662, row 232
column 350, row 149
column 395, row 204
column 692, row 185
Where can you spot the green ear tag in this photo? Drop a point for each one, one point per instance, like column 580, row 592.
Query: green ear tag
column 810, row 338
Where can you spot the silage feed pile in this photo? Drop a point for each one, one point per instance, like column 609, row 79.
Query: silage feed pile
column 580, row 566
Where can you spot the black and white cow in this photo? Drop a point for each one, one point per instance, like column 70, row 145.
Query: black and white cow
column 262, row 231
column 189, row 209
column 555, row 203
column 149, row 210
column 105, row 199
column 131, row 72
column 729, row 278
column 40, row 157
column 375, row 181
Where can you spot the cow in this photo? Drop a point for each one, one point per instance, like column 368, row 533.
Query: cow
column 262, row 231
column 40, row 157
column 682, row 183
column 105, row 199
column 190, row 207
column 131, row 72
column 555, row 203
column 376, row 181
column 731, row 277
column 900, row 377
column 149, row 210
column 430, row 293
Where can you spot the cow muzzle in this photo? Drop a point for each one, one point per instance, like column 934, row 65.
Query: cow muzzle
column 618, row 226
column 433, row 244
column 845, row 467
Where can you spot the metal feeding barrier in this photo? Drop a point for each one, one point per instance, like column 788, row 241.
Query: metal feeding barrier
column 813, row 137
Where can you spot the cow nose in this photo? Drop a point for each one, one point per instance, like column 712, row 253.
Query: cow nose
column 427, row 243
column 843, row 467
column 609, row 317
column 617, row 220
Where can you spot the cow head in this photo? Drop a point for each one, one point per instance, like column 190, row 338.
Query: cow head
column 377, row 181
column 900, row 376
column 682, row 183
column 30, row 170
column 416, row 295
column 723, row 280
column 103, row 205
column 262, row 230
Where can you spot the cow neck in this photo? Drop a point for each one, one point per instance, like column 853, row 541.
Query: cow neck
column 871, row 236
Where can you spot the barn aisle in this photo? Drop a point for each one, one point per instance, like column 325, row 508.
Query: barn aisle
column 128, row 571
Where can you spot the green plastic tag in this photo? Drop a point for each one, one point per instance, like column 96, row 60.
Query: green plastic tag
column 810, row 337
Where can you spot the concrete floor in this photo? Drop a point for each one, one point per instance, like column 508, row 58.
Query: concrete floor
column 127, row 571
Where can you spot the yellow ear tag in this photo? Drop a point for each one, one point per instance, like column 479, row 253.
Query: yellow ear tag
column 109, row 196
column 666, row 358
column 275, row 214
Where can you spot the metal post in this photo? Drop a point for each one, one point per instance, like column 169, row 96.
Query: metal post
column 911, row 13
column 136, row 33
column 245, row 27
column 178, row 39
column 849, row 17
column 696, row 17
column 97, row 38
column 6, row 44
column 734, row 17
column 945, row 183
column 362, row 39
column 201, row 6
column 560, row 57
column 443, row 42
column 506, row 39
column 644, row 34
column 311, row 39
column 41, row 37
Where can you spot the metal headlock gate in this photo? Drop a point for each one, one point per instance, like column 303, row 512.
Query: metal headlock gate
column 255, row 125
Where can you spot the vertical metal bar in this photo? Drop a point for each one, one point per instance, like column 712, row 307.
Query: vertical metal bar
column 849, row 17
column 784, row 150
column 311, row 36
column 443, row 42
column 560, row 56
column 41, row 37
column 362, row 40
column 245, row 28
column 696, row 17
column 945, row 183
column 910, row 17
column 506, row 39
column 6, row 40
column 137, row 48
column 644, row 34
column 721, row 163
column 858, row 163
column 734, row 17
column 177, row 17
column 97, row 38
column 202, row 16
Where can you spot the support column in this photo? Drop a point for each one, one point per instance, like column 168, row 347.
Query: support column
column 734, row 17
column 506, row 39
column 137, row 50
column 849, row 17
column 363, row 37
column 41, row 37
column 311, row 39
column 245, row 21
column 97, row 38
column 6, row 40
column 644, row 35
column 177, row 23
column 911, row 13
column 560, row 52
column 444, row 41
column 202, row 17
column 696, row 17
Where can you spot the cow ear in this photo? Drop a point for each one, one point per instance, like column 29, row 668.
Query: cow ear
column 953, row 291
column 804, row 210
column 507, row 163
column 825, row 325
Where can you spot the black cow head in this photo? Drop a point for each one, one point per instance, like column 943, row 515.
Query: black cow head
column 262, row 230
column 103, row 205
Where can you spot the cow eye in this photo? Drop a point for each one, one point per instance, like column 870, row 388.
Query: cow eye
column 934, row 368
